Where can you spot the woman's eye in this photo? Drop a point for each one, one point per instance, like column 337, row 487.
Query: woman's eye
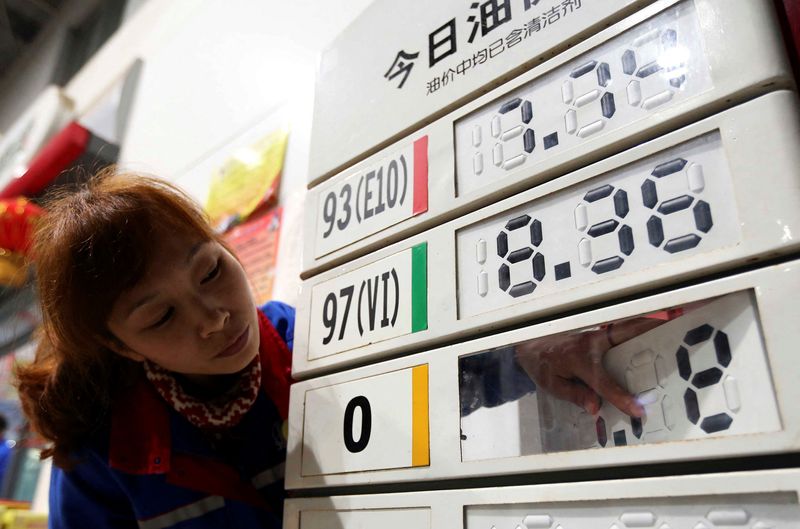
column 212, row 274
column 163, row 319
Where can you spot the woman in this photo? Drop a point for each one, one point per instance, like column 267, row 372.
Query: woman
column 163, row 390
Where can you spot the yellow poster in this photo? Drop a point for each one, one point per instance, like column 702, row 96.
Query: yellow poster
column 248, row 180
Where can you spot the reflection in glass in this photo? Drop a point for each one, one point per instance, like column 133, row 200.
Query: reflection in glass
column 689, row 372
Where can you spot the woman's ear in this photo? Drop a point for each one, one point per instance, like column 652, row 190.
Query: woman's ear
column 117, row 346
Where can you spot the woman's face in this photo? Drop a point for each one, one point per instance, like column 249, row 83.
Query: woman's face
column 192, row 312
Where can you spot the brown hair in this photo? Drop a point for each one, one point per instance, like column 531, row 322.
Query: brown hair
column 92, row 245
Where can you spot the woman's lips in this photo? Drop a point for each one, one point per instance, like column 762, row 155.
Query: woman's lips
column 236, row 346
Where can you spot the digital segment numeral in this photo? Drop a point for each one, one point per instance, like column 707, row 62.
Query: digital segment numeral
column 609, row 227
column 706, row 381
column 527, row 255
column 583, row 103
column 707, row 378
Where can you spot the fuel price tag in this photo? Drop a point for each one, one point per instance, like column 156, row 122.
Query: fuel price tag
column 372, row 198
column 373, row 423
column 379, row 301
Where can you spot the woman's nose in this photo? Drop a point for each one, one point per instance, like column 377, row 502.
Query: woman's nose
column 213, row 320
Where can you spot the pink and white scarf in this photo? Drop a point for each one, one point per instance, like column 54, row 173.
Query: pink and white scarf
column 223, row 412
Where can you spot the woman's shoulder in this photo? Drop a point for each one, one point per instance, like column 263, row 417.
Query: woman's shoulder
column 89, row 461
column 281, row 316
column 275, row 310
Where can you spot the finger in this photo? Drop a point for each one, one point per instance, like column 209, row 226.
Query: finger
column 575, row 392
column 605, row 386
column 625, row 330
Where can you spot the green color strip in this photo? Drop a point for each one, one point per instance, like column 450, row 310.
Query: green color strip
column 419, row 287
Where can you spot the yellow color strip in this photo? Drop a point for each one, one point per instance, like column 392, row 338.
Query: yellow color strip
column 420, row 433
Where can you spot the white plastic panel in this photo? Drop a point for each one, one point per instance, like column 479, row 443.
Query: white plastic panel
column 716, row 380
column 752, row 500
column 757, row 511
column 384, row 518
column 723, row 209
column 663, row 67
column 359, row 66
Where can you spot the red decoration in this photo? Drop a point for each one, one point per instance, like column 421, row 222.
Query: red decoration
column 17, row 219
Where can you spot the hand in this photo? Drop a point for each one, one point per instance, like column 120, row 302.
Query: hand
column 570, row 366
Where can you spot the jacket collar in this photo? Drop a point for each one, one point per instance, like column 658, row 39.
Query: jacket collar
column 140, row 441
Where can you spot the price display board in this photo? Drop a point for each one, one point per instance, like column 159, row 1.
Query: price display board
column 670, row 209
column 712, row 368
column 412, row 60
column 665, row 66
column 752, row 500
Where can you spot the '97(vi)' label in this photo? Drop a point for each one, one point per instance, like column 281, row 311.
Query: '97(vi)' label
column 379, row 301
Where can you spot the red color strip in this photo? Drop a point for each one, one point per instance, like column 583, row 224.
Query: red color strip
column 421, row 175
column 791, row 13
column 210, row 476
column 276, row 365
column 134, row 449
column 55, row 157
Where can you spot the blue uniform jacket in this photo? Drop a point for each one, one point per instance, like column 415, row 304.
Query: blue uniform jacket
column 152, row 469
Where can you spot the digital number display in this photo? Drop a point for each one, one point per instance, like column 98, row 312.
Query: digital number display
column 702, row 374
column 647, row 213
column 635, row 75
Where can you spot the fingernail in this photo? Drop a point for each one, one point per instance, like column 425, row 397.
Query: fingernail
column 647, row 397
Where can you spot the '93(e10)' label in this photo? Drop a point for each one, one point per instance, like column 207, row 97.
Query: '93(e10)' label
column 373, row 199
column 379, row 301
